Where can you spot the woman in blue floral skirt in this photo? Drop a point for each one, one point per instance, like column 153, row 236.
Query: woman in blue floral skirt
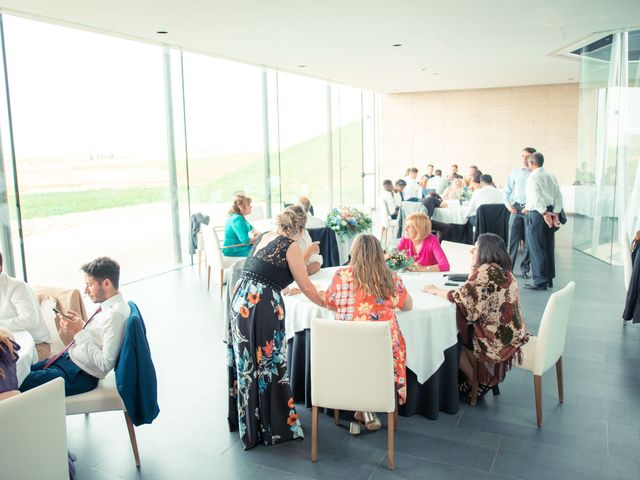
column 261, row 405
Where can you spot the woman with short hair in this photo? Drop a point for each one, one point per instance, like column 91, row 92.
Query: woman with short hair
column 418, row 242
column 488, row 314
column 367, row 290
column 261, row 404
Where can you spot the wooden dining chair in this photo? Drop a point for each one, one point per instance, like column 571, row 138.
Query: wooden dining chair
column 346, row 375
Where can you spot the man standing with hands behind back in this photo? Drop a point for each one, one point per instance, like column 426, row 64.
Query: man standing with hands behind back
column 515, row 199
column 544, row 203
column 96, row 344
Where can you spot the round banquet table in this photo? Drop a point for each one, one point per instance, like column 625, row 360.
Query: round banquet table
column 453, row 213
column 430, row 333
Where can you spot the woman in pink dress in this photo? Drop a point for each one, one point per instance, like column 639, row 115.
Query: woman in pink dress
column 419, row 243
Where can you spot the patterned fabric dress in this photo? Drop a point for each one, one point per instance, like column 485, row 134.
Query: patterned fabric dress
column 356, row 305
column 260, row 401
column 490, row 302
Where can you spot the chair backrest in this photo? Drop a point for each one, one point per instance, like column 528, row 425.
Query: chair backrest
column 49, row 317
column 33, row 443
column 493, row 218
column 212, row 247
column 352, row 365
column 459, row 256
column 410, row 207
column 626, row 260
column 63, row 299
column 553, row 329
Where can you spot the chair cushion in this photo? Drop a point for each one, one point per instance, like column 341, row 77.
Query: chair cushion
column 104, row 398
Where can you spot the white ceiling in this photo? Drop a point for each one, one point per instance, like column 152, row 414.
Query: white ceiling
column 445, row 46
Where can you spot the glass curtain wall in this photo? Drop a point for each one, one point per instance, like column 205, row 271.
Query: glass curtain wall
column 117, row 143
column 608, row 177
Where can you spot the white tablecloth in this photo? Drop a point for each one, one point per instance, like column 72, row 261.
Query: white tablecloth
column 454, row 213
column 27, row 355
column 428, row 329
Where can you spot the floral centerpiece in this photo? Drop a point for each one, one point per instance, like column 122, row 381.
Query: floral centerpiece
column 348, row 221
column 464, row 195
column 398, row 261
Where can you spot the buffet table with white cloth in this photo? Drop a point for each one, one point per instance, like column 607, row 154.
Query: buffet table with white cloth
column 430, row 333
column 27, row 355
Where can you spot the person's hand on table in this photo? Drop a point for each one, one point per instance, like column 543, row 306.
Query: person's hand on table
column 291, row 291
column 70, row 323
column 430, row 288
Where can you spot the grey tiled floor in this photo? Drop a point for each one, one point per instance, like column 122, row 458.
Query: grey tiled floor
column 594, row 434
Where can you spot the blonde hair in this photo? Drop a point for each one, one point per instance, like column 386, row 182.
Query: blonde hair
column 421, row 222
column 239, row 201
column 8, row 346
column 370, row 271
column 291, row 221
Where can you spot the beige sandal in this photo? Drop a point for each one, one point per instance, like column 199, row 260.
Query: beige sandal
column 370, row 420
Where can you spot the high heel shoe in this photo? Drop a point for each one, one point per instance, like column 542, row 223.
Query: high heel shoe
column 370, row 420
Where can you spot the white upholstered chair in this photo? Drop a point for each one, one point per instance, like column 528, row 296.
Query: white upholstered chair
column 34, row 443
column 388, row 226
column 543, row 351
column 105, row 398
column 410, row 207
column 459, row 256
column 347, row 375
column 215, row 259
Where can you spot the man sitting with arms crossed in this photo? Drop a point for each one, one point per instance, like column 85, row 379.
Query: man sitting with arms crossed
column 19, row 310
column 96, row 345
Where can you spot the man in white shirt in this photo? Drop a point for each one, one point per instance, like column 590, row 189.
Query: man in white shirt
column 515, row 199
column 412, row 192
column 19, row 310
column 487, row 194
column 544, row 203
column 390, row 201
column 96, row 345
column 312, row 222
column 437, row 183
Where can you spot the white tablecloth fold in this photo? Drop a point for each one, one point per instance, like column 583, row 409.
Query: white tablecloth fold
column 27, row 355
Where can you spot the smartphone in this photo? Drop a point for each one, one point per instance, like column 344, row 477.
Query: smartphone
column 59, row 312
column 451, row 284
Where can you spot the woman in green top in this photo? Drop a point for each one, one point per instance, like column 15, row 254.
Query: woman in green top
column 237, row 231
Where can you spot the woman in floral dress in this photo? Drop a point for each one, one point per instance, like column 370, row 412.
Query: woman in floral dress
column 488, row 314
column 261, row 405
column 367, row 290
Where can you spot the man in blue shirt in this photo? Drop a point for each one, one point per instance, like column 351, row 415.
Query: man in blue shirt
column 515, row 199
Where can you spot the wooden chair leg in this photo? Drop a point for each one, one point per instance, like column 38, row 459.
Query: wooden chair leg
column 132, row 437
column 474, row 383
column 314, row 433
column 208, row 277
column 537, row 386
column 336, row 416
column 395, row 416
column 199, row 260
column 221, row 281
column 560, row 380
column 390, row 434
column 383, row 236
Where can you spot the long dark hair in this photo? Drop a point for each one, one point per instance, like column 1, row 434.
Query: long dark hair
column 490, row 248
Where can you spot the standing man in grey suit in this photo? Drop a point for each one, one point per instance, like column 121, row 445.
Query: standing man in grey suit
column 544, row 203
column 515, row 199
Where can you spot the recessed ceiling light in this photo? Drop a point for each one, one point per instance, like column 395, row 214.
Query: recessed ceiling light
column 423, row 69
column 435, row 73
column 162, row 32
column 302, row 66
column 397, row 44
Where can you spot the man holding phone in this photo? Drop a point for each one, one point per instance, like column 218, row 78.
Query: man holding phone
column 96, row 344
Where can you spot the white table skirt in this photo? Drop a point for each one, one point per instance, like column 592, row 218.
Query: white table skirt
column 27, row 355
column 428, row 329
column 453, row 213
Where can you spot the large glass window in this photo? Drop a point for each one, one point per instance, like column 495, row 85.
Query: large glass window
column 90, row 141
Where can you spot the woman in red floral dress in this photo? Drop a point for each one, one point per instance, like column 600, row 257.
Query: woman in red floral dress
column 367, row 290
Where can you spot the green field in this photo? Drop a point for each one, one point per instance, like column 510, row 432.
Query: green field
column 301, row 163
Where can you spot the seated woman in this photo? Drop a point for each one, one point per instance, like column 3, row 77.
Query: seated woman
column 237, row 231
column 418, row 242
column 454, row 189
column 366, row 290
column 488, row 314
column 474, row 184
column 8, row 359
